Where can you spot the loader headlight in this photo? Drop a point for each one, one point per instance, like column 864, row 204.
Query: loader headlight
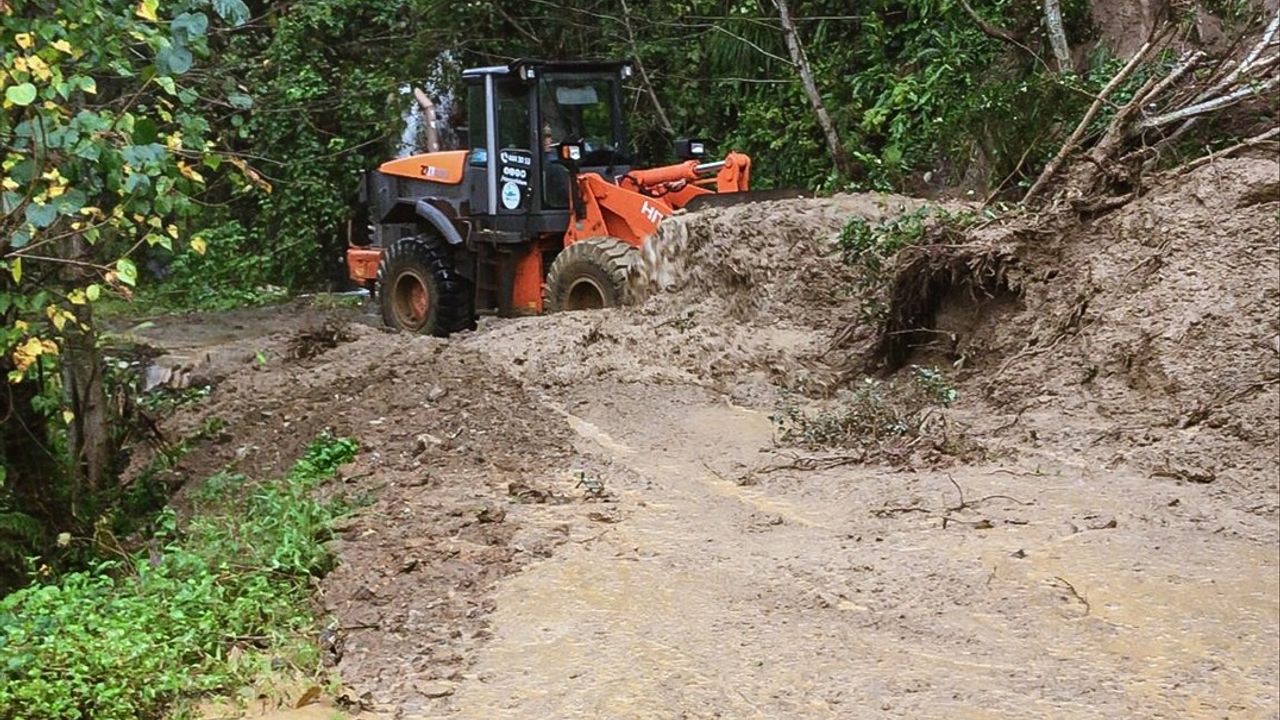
column 688, row 149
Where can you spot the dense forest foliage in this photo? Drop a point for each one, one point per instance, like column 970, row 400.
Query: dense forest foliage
column 206, row 153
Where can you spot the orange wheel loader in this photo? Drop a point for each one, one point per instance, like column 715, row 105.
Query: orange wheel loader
column 543, row 211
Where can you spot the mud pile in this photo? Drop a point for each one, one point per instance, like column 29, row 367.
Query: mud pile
column 1152, row 333
column 741, row 300
column 764, row 262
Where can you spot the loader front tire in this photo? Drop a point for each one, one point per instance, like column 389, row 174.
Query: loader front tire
column 419, row 291
column 590, row 274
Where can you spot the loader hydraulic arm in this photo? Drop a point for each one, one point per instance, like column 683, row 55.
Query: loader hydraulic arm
column 682, row 181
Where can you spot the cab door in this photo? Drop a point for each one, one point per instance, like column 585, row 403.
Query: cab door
column 500, row 109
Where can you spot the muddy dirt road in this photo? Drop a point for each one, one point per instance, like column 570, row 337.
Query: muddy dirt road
column 591, row 515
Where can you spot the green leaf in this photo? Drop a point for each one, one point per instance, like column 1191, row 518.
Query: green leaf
column 189, row 25
column 167, row 83
column 145, row 132
column 127, row 271
column 42, row 216
column 174, row 60
column 70, row 202
column 92, row 292
column 240, row 101
column 233, row 11
column 22, row 94
column 136, row 181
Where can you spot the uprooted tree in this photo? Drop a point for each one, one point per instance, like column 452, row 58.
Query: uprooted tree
column 1177, row 108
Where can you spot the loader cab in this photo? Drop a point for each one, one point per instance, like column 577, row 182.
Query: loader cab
column 517, row 113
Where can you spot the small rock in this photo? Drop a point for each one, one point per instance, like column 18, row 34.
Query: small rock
column 409, row 565
column 1101, row 522
column 1019, row 554
column 492, row 514
column 363, row 594
column 424, row 441
column 436, row 688
column 435, row 393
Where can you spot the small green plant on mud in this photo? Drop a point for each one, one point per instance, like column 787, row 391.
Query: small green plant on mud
column 130, row 638
column 871, row 247
column 882, row 419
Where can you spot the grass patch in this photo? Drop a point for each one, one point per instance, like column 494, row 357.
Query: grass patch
column 130, row 639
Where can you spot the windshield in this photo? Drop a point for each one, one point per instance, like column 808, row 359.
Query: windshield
column 582, row 109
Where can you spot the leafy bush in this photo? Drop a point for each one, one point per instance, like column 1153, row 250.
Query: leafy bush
column 125, row 639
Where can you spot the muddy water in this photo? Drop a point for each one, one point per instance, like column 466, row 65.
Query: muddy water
column 791, row 599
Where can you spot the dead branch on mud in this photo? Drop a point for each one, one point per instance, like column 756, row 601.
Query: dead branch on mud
column 946, row 514
column 797, row 461
column 1076, row 593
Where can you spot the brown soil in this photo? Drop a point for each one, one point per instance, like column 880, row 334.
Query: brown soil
column 587, row 515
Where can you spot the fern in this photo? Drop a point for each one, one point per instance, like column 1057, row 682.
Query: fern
column 19, row 535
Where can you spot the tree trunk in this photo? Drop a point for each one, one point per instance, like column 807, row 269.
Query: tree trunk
column 644, row 76
column 89, row 433
column 1057, row 36
column 801, row 62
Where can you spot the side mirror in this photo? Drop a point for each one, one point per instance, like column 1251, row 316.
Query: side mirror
column 690, row 149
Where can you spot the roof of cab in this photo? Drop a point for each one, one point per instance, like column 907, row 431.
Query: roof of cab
column 611, row 66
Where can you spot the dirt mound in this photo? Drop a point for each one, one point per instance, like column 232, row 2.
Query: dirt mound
column 1149, row 335
column 768, row 261
column 741, row 300
column 444, row 438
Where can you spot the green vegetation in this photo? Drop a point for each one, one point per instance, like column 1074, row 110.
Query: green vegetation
column 125, row 639
column 870, row 247
column 881, row 419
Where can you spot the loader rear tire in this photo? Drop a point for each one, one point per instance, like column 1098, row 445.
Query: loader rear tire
column 590, row 274
column 419, row 291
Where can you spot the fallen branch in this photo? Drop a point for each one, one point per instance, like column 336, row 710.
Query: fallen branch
column 1078, row 134
column 990, row 30
column 1218, row 155
column 1208, row 106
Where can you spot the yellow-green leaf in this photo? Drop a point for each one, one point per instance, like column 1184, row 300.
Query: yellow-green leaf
column 62, row 45
column 198, row 245
column 147, row 10
column 15, row 269
column 92, row 292
column 67, row 417
column 126, row 271
column 22, row 94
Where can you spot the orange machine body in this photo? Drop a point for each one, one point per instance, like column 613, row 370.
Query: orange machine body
column 445, row 167
column 629, row 210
